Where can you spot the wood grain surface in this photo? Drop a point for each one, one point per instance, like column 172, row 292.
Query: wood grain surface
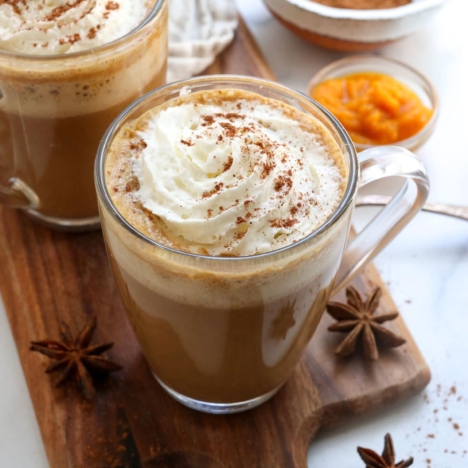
column 47, row 276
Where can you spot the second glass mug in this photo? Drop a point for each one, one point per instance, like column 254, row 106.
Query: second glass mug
column 222, row 334
column 54, row 110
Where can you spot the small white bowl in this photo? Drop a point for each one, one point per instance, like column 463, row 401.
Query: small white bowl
column 352, row 30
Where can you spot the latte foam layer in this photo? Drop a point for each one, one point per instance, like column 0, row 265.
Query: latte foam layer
column 232, row 173
column 50, row 27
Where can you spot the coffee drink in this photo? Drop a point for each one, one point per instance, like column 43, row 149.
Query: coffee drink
column 224, row 181
column 226, row 203
column 66, row 71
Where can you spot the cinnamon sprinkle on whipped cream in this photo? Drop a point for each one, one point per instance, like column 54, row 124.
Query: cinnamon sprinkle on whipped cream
column 50, row 27
column 236, row 176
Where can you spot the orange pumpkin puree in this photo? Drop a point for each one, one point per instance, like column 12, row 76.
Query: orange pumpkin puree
column 375, row 109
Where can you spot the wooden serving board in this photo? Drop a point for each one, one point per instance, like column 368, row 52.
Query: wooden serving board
column 48, row 276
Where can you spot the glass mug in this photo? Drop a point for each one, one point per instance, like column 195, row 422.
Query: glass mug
column 222, row 334
column 54, row 110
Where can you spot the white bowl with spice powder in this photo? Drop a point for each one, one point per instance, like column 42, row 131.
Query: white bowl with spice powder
column 354, row 25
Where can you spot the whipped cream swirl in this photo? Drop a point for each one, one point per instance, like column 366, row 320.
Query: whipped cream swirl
column 48, row 27
column 235, row 177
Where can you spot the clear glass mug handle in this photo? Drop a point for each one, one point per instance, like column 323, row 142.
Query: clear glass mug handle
column 379, row 163
column 14, row 192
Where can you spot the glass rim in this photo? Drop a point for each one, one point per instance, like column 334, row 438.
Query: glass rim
column 105, row 198
column 432, row 94
column 93, row 50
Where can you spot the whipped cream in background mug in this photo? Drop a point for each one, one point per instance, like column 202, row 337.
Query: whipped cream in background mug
column 60, row 90
column 44, row 27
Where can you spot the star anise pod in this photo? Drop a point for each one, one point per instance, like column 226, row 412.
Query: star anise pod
column 358, row 319
column 75, row 358
column 387, row 460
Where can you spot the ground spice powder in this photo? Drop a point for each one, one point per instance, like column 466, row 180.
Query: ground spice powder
column 363, row 4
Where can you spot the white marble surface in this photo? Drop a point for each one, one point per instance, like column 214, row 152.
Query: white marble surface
column 426, row 268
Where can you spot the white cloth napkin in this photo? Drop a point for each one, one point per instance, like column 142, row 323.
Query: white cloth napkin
column 198, row 31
